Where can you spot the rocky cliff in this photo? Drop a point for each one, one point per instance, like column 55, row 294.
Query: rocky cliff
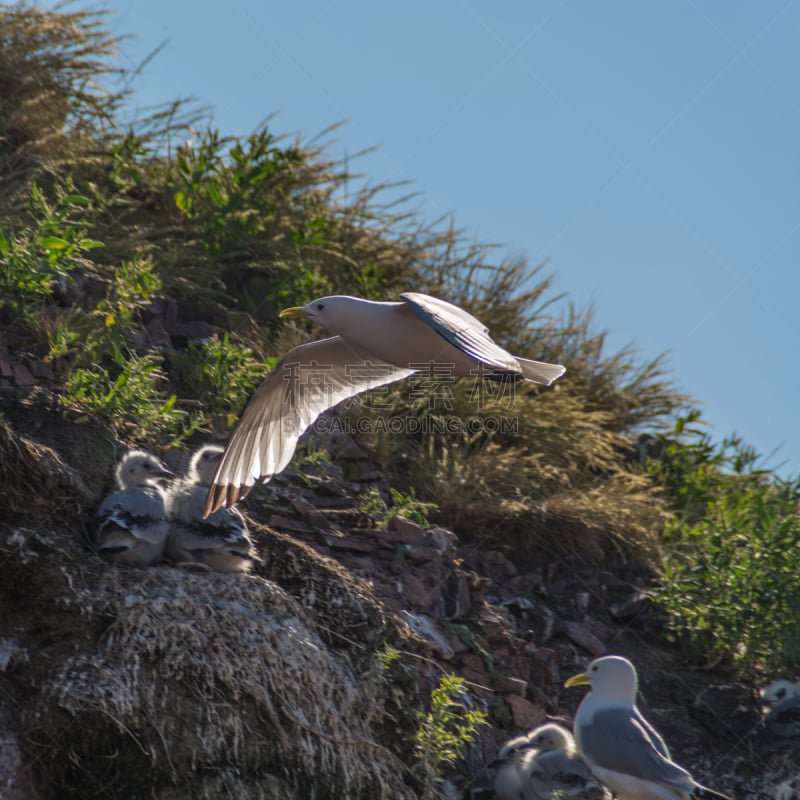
column 167, row 683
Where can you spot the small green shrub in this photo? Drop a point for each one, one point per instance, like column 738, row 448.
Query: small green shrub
column 309, row 461
column 239, row 195
column 46, row 251
column 372, row 504
column 129, row 398
column 444, row 731
column 221, row 373
column 729, row 584
column 106, row 377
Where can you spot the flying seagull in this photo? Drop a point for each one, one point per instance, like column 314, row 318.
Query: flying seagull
column 130, row 524
column 622, row 750
column 219, row 542
column 375, row 343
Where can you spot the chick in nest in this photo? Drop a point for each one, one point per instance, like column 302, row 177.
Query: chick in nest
column 131, row 523
column 220, row 542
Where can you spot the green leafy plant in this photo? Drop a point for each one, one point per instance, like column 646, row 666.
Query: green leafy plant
column 107, row 378
column 35, row 258
column 308, row 461
column 221, row 373
column 444, row 731
column 222, row 180
column 372, row 505
column 129, row 398
column 729, row 584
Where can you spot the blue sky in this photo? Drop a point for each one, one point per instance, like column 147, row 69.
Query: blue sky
column 649, row 151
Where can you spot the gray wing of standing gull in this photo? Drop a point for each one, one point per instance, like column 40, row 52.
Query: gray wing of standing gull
column 654, row 735
column 308, row 380
column 614, row 740
column 471, row 336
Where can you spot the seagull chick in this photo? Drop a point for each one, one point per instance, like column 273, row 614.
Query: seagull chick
column 374, row 344
column 622, row 750
column 509, row 777
column 536, row 765
column 781, row 699
column 555, row 765
column 131, row 524
column 220, row 541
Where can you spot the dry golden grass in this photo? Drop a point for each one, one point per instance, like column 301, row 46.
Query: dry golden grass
column 53, row 91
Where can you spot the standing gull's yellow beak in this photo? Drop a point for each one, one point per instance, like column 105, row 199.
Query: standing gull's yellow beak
column 581, row 679
column 294, row 311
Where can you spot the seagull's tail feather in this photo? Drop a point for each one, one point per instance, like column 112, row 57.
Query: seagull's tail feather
column 540, row 371
column 704, row 793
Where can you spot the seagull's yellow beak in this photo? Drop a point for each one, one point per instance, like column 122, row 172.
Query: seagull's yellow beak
column 581, row 679
column 294, row 312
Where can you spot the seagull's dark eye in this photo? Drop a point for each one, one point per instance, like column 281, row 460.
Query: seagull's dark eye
column 780, row 694
column 320, row 306
column 594, row 668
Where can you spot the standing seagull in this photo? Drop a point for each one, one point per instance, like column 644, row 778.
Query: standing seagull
column 623, row 751
column 131, row 525
column 375, row 344
column 220, row 541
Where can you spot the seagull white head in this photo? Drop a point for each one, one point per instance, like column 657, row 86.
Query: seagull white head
column 332, row 312
column 138, row 468
column 613, row 677
column 552, row 737
column 204, row 464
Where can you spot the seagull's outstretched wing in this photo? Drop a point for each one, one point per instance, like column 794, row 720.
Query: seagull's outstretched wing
column 308, row 380
column 471, row 336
